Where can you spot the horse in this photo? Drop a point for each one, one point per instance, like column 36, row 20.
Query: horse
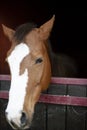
column 30, row 69
column 31, row 62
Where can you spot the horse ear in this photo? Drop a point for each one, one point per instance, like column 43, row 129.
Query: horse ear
column 46, row 28
column 8, row 31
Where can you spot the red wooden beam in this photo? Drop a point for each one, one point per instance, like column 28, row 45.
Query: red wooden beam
column 63, row 100
column 70, row 81
column 5, row 77
column 56, row 99
column 4, row 94
column 57, row 80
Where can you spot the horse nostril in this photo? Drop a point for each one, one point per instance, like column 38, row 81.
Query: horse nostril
column 23, row 119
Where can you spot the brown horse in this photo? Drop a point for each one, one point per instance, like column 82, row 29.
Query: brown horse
column 30, row 68
column 32, row 63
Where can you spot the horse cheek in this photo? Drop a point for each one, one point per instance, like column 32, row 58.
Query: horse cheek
column 46, row 75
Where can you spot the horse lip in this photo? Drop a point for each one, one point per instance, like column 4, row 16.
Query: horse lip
column 14, row 126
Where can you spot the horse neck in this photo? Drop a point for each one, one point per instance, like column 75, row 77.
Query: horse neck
column 61, row 64
column 53, row 60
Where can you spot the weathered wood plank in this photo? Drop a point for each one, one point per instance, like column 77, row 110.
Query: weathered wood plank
column 56, row 113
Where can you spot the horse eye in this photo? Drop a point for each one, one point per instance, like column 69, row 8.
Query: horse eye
column 39, row 60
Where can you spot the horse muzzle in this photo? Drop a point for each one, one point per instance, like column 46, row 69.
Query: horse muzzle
column 21, row 123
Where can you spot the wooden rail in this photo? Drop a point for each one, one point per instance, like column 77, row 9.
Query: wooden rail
column 56, row 99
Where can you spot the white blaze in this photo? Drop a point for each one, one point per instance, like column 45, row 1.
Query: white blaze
column 18, row 82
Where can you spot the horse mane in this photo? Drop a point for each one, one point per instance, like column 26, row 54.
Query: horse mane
column 23, row 30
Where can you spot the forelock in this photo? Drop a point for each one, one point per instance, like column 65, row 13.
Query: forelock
column 23, row 30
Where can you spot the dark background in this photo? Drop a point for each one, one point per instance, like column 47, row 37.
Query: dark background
column 69, row 34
